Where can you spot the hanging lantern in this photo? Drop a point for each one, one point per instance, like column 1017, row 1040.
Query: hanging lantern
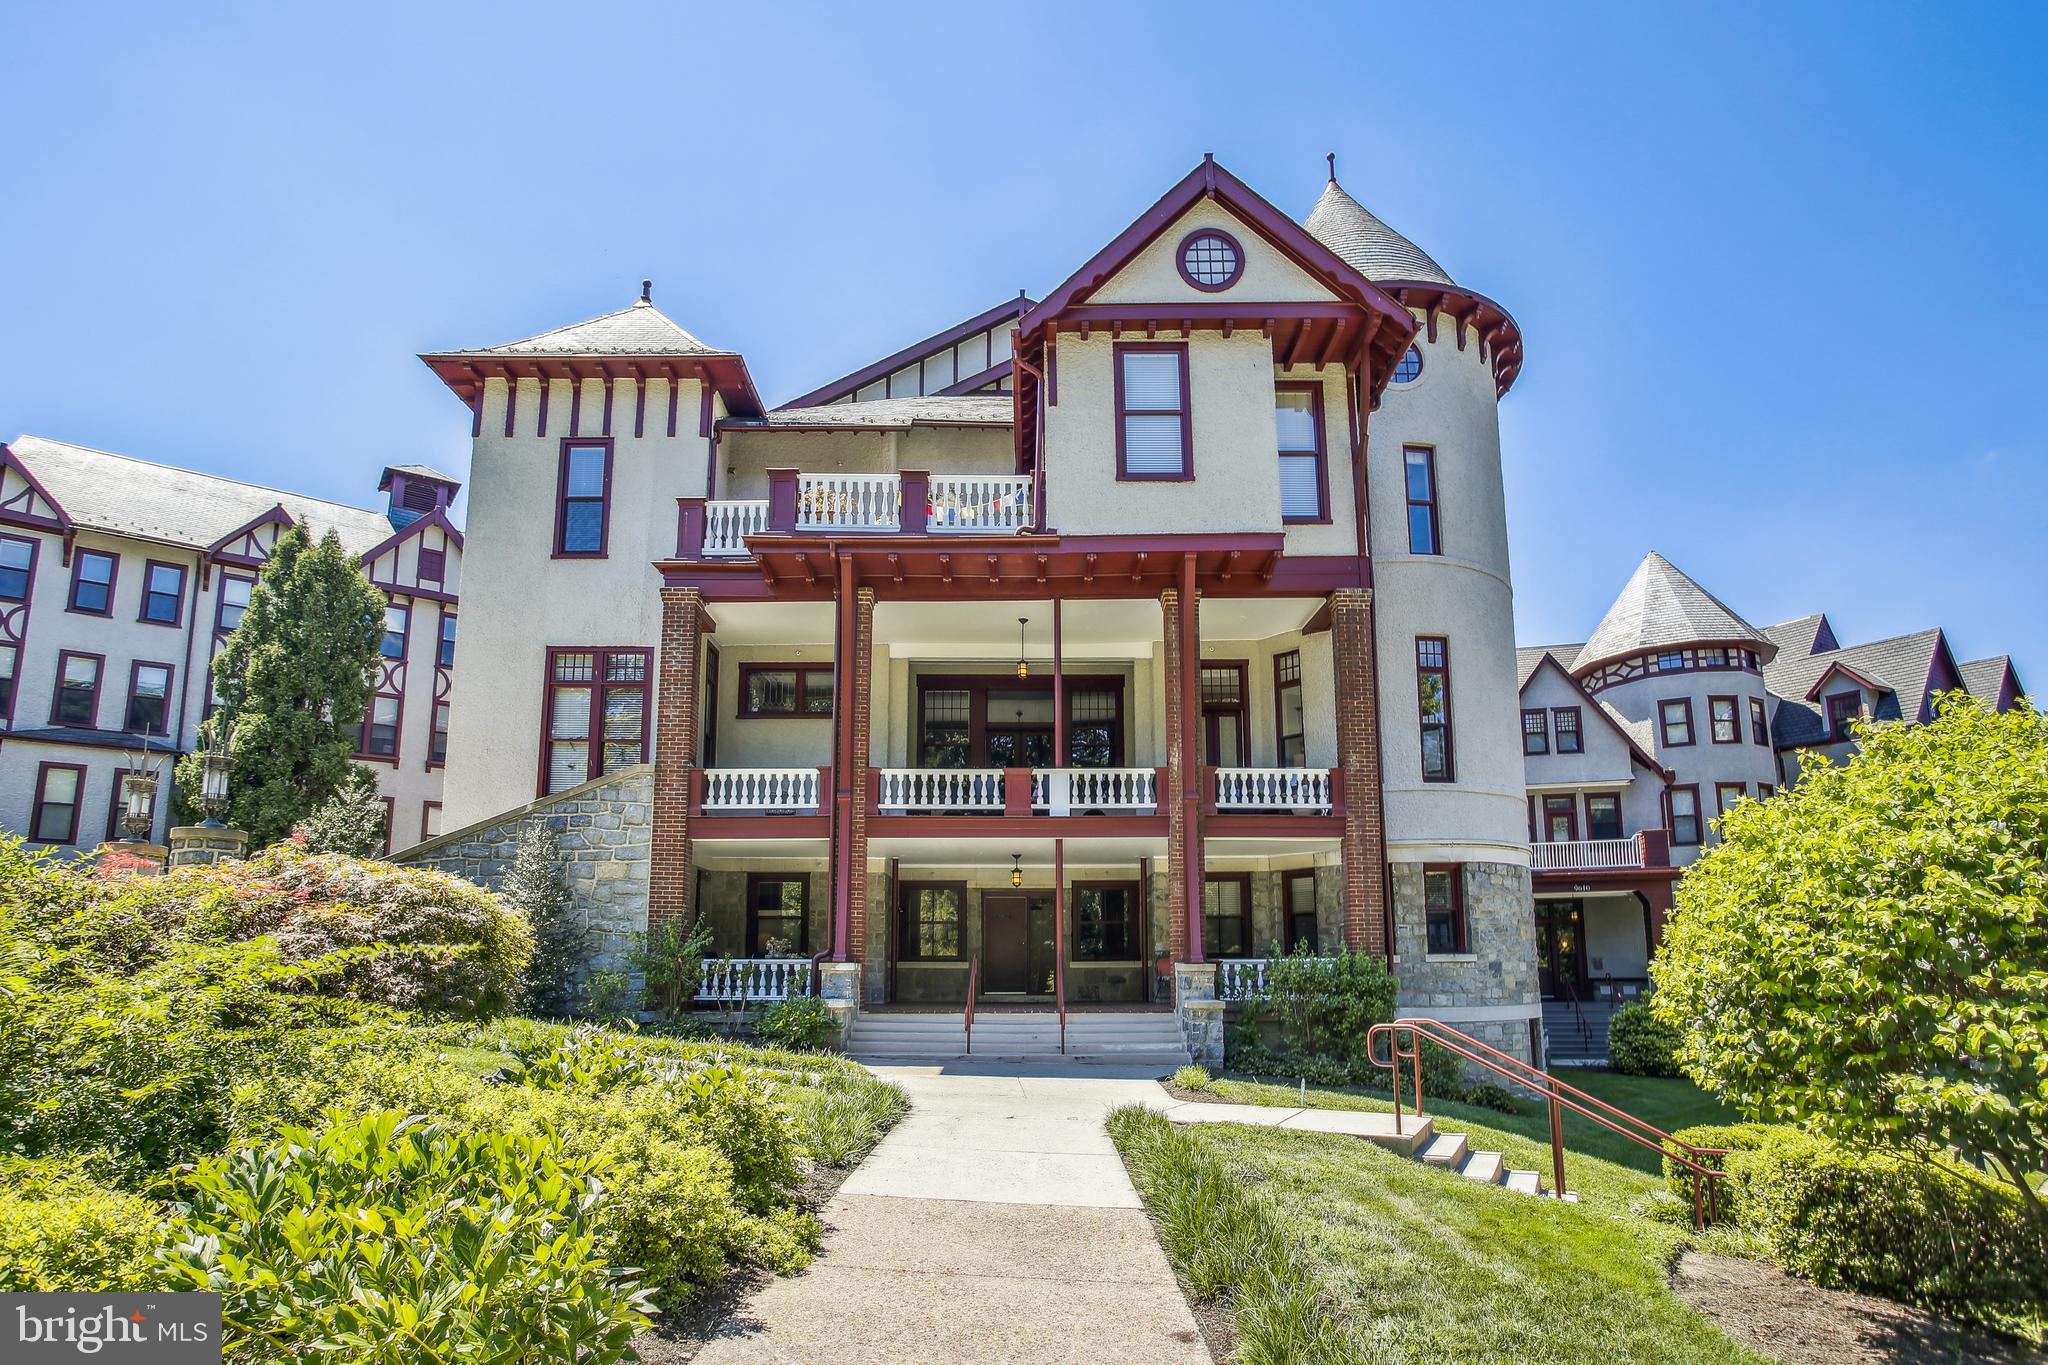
column 1016, row 869
column 1023, row 668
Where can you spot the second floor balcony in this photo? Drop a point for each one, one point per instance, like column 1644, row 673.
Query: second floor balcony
column 910, row 502
column 1643, row 850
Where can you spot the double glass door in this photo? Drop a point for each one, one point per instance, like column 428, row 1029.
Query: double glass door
column 1561, row 950
column 989, row 721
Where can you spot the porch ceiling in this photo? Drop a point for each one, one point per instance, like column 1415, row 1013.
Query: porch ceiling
column 773, row 623
column 1035, row 852
column 1098, row 628
column 712, row 852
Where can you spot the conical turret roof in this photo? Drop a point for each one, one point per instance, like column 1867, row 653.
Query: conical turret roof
column 1368, row 245
column 1661, row 608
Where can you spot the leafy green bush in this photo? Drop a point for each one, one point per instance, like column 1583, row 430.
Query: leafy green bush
column 62, row 1231
column 591, row 1058
column 801, row 1022
column 1732, row 1138
column 1928, row 1231
column 1641, row 1044
column 391, row 1240
column 1325, row 1006
column 1443, row 1075
column 350, row 822
column 670, row 957
column 1487, row 1095
column 608, row 994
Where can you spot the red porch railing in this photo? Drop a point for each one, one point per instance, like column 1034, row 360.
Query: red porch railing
column 1558, row 1096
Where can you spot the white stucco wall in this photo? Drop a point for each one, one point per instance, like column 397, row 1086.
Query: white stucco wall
column 1606, row 763
column 1703, row 762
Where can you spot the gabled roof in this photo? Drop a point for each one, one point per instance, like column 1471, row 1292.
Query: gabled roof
column 1991, row 680
column 1528, row 656
column 1372, row 248
column 1661, row 608
column 885, row 414
column 1803, row 635
column 1900, row 669
column 424, row 472
column 848, row 384
column 639, row 329
column 123, row 495
column 1637, row 740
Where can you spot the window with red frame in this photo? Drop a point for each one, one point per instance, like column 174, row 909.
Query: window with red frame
column 92, row 582
column 1724, row 722
column 1564, row 722
column 1303, row 487
column 1535, row 732
column 596, row 720
column 377, row 736
column 78, row 690
column 1443, row 907
column 437, row 745
column 1684, row 804
column 1759, row 725
column 59, row 789
column 1726, row 794
column 163, row 593
column 1844, row 710
column 583, row 500
column 1424, row 533
column 1153, row 440
column 1433, row 695
column 1674, row 716
column 149, row 699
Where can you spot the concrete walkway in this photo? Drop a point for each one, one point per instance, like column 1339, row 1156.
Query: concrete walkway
column 994, row 1223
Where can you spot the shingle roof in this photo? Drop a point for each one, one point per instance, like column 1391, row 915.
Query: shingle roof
column 1983, row 678
column 132, row 497
column 421, row 471
column 1527, row 657
column 890, row 414
column 1659, row 607
column 1901, row 664
column 641, row 329
column 1641, row 731
column 1368, row 245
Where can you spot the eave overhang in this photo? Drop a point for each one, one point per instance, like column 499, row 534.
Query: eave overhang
column 464, row 372
column 1500, row 339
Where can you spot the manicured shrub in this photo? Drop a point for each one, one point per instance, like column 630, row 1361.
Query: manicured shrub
column 1733, row 1138
column 801, row 1022
column 387, row 1239
column 1325, row 1006
column 1641, row 1044
column 1487, row 1095
column 60, row 1231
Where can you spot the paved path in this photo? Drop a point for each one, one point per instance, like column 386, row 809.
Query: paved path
column 994, row 1223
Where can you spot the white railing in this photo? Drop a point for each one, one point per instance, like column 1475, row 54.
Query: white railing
column 727, row 524
column 1587, row 855
column 760, row 789
column 980, row 502
column 847, row 502
column 949, row 790
column 1280, row 789
column 1240, row 978
column 1062, row 791
column 752, row 980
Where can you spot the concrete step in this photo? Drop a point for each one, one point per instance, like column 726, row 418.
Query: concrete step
column 1484, row 1167
column 1525, row 1182
column 1447, row 1150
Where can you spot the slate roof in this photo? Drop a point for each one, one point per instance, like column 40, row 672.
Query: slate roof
column 1368, row 245
column 1641, row 731
column 421, row 471
column 131, row 497
column 1660, row 606
column 638, row 330
column 1527, row 657
column 889, row 414
column 1798, row 636
column 1983, row 677
column 1901, row 665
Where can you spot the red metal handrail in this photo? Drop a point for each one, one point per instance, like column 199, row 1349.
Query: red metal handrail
column 1558, row 1096
column 973, row 977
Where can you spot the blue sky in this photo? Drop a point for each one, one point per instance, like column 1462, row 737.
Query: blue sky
column 1780, row 268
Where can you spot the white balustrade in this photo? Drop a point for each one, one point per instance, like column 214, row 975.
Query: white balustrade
column 760, row 789
column 1586, row 855
column 1274, row 789
column 753, row 980
column 987, row 503
column 943, row 790
column 1062, row 791
column 1240, row 978
column 728, row 523
column 847, row 502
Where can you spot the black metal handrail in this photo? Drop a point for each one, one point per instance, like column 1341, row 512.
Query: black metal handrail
column 1558, row 1096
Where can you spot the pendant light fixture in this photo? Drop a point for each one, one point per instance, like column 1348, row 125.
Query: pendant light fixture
column 1016, row 869
column 1023, row 668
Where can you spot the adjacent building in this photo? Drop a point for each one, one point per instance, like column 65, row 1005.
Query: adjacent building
column 121, row 578
column 1163, row 619
column 1638, row 740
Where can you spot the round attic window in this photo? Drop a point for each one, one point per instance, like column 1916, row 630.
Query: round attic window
column 1410, row 367
column 1211, row 260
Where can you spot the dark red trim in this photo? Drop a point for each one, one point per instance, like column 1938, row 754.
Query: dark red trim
column 99, row 677
column 276, row 516
column 1841, row 725
column 149, row 568
column 170, row 691
column 760, row 827
column 889, row 364
column 1281, row 685
column 1636, row 750
column 1759, row 723
column 907, row 939
column 1436, row 530
column 1180, row 259
column 78, row 559
column 1721, row 790
column 363, row 752
column 1813, row 692
column 1461, row 926
column 596, row 684
column 803, row 914
column 1664, row 739
column 747, row 671
column 1541, row 733
column 1734, row 720
column 1314, row 389
column 35, row 810
column 8, row 513
column 1699, row 816
column 1577, row 729
column 1200, row 912
column 1589, row 798
column 425, row 808
column 995, row 373
column 1184, row 412
column 604, row 524
column 1424, row 724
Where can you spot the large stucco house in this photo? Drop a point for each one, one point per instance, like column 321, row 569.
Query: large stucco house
column 1161, row 620
column 1638, row 740
column 121, row 578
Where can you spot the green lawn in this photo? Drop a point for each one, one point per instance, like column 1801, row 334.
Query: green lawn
column 1669, row 1104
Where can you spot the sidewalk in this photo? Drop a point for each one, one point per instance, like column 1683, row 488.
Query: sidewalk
column 994, row 1223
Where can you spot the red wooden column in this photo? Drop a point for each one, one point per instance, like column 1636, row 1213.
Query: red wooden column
column 852, row 664
column 1364, row 842
column 1182, row 653
column 670, row 878
column 1059, row 693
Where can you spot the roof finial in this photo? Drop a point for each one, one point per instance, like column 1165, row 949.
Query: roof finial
column 647, row 291
column 1331, row 157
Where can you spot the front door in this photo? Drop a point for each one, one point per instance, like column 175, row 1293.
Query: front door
column 1560, row 950
column 1005, row 944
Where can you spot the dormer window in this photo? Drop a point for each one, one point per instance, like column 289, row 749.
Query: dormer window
column 1211, row 260
column 1152, row 437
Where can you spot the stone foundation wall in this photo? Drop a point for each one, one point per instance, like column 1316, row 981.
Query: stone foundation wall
column 606, row 830
column 1488, row 991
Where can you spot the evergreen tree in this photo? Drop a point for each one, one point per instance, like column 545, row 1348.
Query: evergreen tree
column 560, row 941
column 351, row 821
column 294, row 680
